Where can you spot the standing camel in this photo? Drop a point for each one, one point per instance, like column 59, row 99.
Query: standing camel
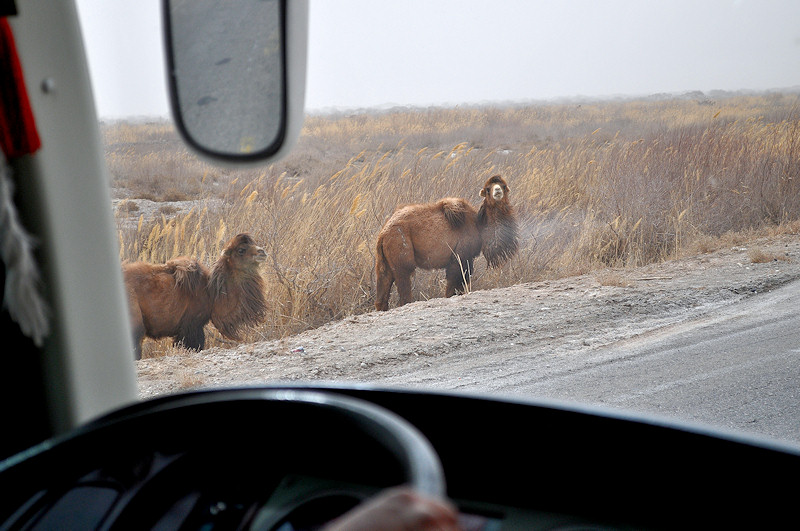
column 178, row 298
column 447, row 234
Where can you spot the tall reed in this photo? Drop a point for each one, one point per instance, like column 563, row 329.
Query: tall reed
column 595, row 184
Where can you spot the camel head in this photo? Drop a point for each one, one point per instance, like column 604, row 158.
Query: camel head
column 236, row 287
column 498, row 222
column 242, row 254
column 495, row 190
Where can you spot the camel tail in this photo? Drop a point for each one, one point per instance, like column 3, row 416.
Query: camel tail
column 381, row 266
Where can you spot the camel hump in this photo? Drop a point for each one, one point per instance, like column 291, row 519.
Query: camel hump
column 189, row 274
column 455, row 211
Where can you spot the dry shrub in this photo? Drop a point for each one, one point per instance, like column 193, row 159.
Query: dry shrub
column 760, row 256
column 160, row 348
column 596, row 185
column 612, row 277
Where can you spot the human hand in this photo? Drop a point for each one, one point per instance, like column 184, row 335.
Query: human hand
column 398, row 509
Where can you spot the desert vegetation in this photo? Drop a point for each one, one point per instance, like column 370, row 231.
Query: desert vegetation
column 596, row 185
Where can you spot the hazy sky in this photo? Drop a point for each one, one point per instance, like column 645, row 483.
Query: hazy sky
column 365, row 53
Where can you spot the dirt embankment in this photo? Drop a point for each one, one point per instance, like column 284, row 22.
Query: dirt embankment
column 455, row 343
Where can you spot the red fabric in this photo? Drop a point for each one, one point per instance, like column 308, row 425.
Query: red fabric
column 18, row 135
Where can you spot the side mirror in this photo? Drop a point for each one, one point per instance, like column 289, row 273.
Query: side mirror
column 236, row 73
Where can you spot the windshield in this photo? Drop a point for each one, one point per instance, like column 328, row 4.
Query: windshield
column 646, row 222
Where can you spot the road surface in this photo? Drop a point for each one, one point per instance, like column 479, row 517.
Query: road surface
column 738, row 368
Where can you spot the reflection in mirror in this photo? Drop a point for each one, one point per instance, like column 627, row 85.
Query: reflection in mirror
column 226, row 71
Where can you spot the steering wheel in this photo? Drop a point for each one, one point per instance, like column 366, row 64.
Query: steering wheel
column 219, row 454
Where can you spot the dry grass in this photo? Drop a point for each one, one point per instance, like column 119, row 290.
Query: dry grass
column 760, row 256
column 596, row 185
column 612, row 277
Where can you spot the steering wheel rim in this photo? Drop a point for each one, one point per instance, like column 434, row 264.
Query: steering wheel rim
column 175, row 414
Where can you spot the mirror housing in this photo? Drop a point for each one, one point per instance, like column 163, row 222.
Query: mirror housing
column 236, row 76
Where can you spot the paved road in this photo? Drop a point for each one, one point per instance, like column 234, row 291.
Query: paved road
column 737, row 369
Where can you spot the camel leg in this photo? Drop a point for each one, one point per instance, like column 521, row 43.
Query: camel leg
column 457, row 274
column 403, row 281
column 398, row 263
column 138, row 338
column 384, row 282
column 138, row 329
column 192, row 338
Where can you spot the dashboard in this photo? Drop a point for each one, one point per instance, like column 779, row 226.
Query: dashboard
column 230, row 460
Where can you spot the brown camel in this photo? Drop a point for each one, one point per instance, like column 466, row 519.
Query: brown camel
column 178, row 298
column 447, row 234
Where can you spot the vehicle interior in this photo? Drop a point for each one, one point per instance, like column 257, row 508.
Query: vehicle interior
column 79, row 450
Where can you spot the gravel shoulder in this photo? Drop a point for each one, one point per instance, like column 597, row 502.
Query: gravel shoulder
column 459, row 343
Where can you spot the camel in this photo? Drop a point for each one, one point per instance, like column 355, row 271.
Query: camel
column 448, row 234
column 178, row 298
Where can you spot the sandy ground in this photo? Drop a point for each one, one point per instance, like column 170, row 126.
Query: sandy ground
column 454, row 343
